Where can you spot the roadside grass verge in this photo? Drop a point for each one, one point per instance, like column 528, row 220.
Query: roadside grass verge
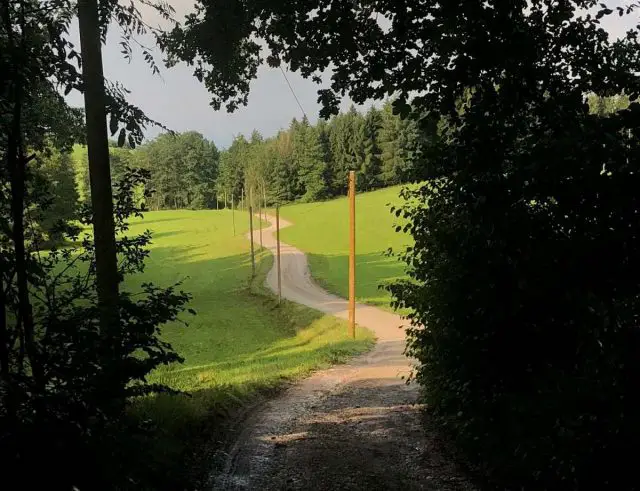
column 240, row 346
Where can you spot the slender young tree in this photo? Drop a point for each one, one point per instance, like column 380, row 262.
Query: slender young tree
column 99, row 168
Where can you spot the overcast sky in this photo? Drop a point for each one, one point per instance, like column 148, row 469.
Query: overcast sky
column 178, row 100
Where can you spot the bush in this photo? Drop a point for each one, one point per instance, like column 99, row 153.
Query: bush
column 524, row 286
column 63, row 407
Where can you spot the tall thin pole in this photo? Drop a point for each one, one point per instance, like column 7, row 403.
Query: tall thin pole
column 264, row 195
column 242, row 199
column 352, row 254
column 253, row 255
column 278, row 253
column 260, row 224
column 233, row 215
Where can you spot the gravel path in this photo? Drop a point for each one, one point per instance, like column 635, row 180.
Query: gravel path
column 355, row 426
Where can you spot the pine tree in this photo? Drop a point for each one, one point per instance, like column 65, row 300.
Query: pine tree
column 283, row 174
column 313, row 167
column 399, row 142
column 357, row 146
column 370, row 169
column 238, row 154
column 254, row 168
column 389, row 134
column 338, row 144
column 347, row 139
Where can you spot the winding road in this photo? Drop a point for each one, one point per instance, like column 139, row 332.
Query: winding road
column 356, row 426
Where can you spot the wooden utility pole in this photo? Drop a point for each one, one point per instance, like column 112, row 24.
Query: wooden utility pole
column 264, row 196
column 253, row 255
column 352, row 254
column 278, row 254
column 260, row 223
column 233, row 215
column 242, row 199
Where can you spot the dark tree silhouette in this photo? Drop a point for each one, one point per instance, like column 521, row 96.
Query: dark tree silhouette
column 99, row 168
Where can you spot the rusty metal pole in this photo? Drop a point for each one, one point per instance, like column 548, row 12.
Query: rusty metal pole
column 253, row 255
column 278, row 254
column 352, row 254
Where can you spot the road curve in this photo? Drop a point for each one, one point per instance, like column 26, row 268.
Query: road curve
column 354, row 426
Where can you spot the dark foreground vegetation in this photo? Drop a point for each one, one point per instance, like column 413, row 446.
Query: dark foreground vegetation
column 523, row 291
column 75, row 350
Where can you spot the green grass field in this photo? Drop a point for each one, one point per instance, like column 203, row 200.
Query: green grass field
column 239, row 345
column 322, row 230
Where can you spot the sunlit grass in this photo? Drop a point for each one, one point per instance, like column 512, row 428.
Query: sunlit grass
column 322, row 230
column 239, row 345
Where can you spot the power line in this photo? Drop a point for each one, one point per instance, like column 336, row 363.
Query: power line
column 293, row 92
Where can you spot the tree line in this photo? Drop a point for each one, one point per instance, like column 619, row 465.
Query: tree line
column 309, row 162
column 304, row 162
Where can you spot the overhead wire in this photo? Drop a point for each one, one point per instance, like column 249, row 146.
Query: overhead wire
column 293, row 92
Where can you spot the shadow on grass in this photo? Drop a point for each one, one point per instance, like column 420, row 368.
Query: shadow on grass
column 146, row 221
column 160, row 235
column 189, row 429
column 193, row 430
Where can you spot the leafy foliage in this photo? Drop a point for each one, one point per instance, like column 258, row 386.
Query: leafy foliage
column 65, row 381
column 304, row 163
column 60, row 198
column 68, row 422
column 523, row 287
column 183, row 169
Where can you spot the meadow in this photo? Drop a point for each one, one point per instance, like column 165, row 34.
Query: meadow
column 239, row 346
column 322, row 231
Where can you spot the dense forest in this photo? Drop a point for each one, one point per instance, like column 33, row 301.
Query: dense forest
column 303, row 162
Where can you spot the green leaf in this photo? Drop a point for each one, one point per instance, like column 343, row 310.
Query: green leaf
column 121, row 137
column 113, row 124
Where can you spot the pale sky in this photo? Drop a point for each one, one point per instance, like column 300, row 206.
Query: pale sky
column 178, row 100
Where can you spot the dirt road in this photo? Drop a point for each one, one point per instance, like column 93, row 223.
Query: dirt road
column 355, row 426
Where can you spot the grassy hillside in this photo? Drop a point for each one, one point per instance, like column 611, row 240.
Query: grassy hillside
column 240, row 343
column 322, row 230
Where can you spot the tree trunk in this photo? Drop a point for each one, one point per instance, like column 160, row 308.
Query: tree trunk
column 4, row 335
column 16, row 163
column 99, row 167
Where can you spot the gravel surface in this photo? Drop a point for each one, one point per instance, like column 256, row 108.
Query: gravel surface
column 356, row 426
